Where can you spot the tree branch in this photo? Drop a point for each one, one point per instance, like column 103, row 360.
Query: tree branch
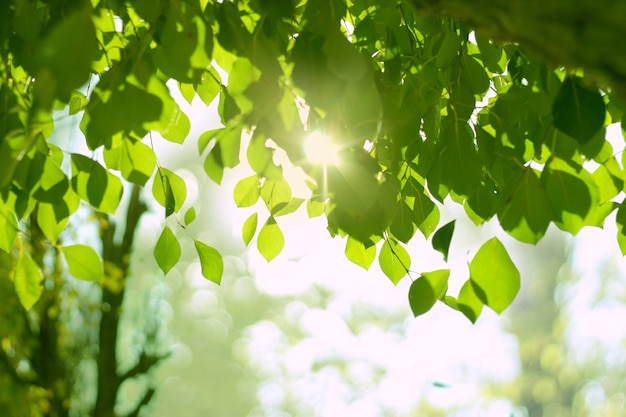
column 117, row 256
column 145, row 363
column 144, row 401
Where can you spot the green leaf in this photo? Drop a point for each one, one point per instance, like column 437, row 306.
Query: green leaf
column 94, row 184
column 8, row 228
column 270, row 241
column 209, row 87
column 577, row 110
column 276, row 194
column 66, row 53
column 394, row 261
column 83, row 262
column 167, row 250
column 315, row 207
column 173, row 124
column 137, row 161
column 169, row 190
column 442, row 238
column 572, row 193
column 247, row 191
column 495, row 278
column 50, row 225
column 468, row 302
column 457, row 167
column 53, row 184
column 249, row 228
column 128, row 108
column 78, row 102
column 206, row 137
column 190, row 216
column 261, row 157
column 360, row 254
column 449, row 49
column 187, row 91
column 620, row 220
column 527, row 210
column 213, row 166
column 427, row 289
column 402, row 225
column 211, row 262
column 474, row 75
column 288, row 208
column 426, row 214
column 28, row 281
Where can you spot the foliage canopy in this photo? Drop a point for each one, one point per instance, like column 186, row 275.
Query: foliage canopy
column 421, row 107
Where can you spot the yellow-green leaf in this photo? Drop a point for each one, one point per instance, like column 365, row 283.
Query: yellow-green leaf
column 83, row 262
column 247, row 191
column 358, row 253
column 167, row 250
column 494, row 276
column 169, row 190
column 427, row 289
column 270, row 241
column 468, row 302
column 249, row 228
column 28, row 281
column 8, row 227
column 394, row 261
column 211, row 262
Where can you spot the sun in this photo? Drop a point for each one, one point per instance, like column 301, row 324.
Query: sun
column 320, row 149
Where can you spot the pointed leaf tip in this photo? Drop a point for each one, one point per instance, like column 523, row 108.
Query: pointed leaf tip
column 211, row 262
column 427, row 289
column 83, row 262
column 167, row 250
column 494, row 276
column 270, row 241
column 442, row 238
column 28, row 281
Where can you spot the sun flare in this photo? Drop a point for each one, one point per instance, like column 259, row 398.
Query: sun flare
column 320, row 149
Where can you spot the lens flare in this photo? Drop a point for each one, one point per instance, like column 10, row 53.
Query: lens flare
column 320, row 149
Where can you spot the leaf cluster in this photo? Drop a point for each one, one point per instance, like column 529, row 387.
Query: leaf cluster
column 422, row 108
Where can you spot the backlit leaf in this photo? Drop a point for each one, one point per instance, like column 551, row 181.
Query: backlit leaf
column 28, row 281
column 211, row 262
column 426, row 214
column 468, row 302
column 394, row 261
column 427, row 289
column 8, row 228
column 83, row 262
column 247, row 191
column 50, row 225
column 270, row 241
column 572, row 193
column 495, row 278
column 190, row 215
column 249, row 228
column 94, row 184
column 137, row 161
column 169, row 190
column 167, row 250
column 358, row 253
column 403, row 226
column 528, row 211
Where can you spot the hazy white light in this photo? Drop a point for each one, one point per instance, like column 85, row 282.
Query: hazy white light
column 320, row 149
